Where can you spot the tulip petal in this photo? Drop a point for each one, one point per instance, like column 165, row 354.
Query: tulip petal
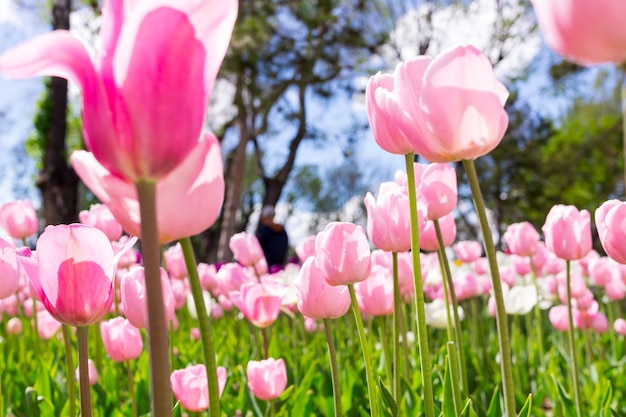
column 160, row 57
column 56, row 54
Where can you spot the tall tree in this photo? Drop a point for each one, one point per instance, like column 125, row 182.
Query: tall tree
column 284, row 55
column 57, row 180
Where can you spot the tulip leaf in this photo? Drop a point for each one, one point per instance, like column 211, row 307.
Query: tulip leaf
column 527, row 408
column 468, row 410
column 495, row 409
column 448, row 408
column 32, row 402
column 388, row 399
column 566, row 401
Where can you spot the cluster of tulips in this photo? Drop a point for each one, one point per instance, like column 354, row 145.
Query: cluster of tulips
column 160, row 179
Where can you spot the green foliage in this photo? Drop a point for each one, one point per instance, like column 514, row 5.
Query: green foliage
column 36, row 143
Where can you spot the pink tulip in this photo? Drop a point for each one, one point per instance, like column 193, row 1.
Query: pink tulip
column 99, row 216
column 467, row 251
column 122, row 341
column 208, row 276
column 47, row 326
column 19, row 218
column 620, row 327
column 188, row 199
column 342, row 253
column 522, row 264
column 602, row 270
column 246, row 248
column 72, row 273
column 428, row 239
column 191, row 387
column 522, row 238
column 384, row 113
column 259, row 303
column 388, row 218
column 231, row 277
column 558, row 318
column 316, row 298
column 175, row 261
column 452, row 116
column 437, row 183
column 567, row 232
column 10, row 271
column 92, row 372
column 585, row 31
column 306, row 249
column 14, row 326
column 405, row 275
column 375, row 295
column 611, row 223
column 133, row 294
column 466, row 286
column 267, row 379
column 145, row 94
column 615, row 289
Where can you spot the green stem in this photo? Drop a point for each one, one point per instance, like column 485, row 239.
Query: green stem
column 131, row 387
column 538, row 316
column 371, row 387
column 204, row 322
column 572, row 343
column 501, row 317
column 396, row 328
column 82, row 334
column 458, row 333
column 334, row 368
column 422, row 331
column 69, row 363
column 405, row 344
column 35, row 327
column 611, row 316
column 266, row 343
column 454, row 374
column 157, row 325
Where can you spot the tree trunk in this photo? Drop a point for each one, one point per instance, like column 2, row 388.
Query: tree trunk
column 234, row 178
column 57, row 180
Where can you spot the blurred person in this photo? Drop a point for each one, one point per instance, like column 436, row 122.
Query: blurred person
column 273, row 238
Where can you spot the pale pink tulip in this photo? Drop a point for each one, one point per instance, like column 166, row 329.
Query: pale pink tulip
column 191, row 387
column 437, row 183
column 428, row 239
column 388, row 218
column 611, row 224
column 522, row 239
column 522, row 264
column 246, row 248
column 342, row 253
column 259, row 303
column 385, row 114
column 620, row 326
column 47, row 325
column 14, row 326
column 615, row 289
column 467, row 251
column 122, row 341
column 175, row 261
column 99, row 216
column 306, row 249
column 10, row 271
column 588, row 32
column 92, row 372
column 374, row 296
column 567, row 232
column 145, row 94
column 558, row 318
column 267, row 379
column 316, row 298
column 208, row 276
column 602, row 270
column 231, row 277
column 19, row 218
column 188, row 199
column 133, row 294
column 72, row 273
column 452, row 116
